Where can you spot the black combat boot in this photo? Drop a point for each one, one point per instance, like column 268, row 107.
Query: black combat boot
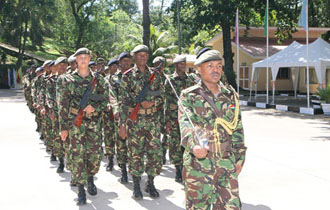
column 91, row 188
column 164, row 156
column 178, row 175
column 81, row 195
column 38, row 129
column 110, row 164
column 123, row 178
column 150, row 187
column 137, row 194
column 60, row 168
column 52, row 157
column 42, row 137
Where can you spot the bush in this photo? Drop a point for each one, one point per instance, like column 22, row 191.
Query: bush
column 324, row 94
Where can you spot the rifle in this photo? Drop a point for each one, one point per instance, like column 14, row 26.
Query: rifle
column 146, row 90
column 86, row 98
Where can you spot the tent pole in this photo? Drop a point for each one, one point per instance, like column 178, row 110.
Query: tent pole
column 267, row 44
column 308, row 102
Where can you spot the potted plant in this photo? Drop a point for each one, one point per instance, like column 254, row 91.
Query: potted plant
column 324, row 94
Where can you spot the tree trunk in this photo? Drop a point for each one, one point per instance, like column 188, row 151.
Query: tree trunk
column 228, row 54
column 146, row 23
column 22, row 46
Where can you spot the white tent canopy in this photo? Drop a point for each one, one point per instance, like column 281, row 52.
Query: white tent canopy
column 295, row 56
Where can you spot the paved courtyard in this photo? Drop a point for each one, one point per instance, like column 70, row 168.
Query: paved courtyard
column 287, row 166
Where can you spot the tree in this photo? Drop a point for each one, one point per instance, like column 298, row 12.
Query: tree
column 146, row 23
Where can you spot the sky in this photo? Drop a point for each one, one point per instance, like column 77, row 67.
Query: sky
column 167, row 3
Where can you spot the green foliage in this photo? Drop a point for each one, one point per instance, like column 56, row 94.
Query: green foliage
column 324, row 94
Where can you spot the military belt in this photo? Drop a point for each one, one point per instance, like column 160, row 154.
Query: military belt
column 173, row 107
column 145, row 111
column 75, row 112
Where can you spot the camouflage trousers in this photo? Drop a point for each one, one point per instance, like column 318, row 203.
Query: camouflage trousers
column 175, row 148
column 121, row 147
column 109, row 134
column 68, row 161
column 144, row 139
column 58, row 144
column 48, row 132
column 211, row 184
column 85, row 150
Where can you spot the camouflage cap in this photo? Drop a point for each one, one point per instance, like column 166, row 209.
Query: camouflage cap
column 210, row 55
column 140, row 48
column 61, row 60
column 112, row 61
column 71, row 59
column 47, row 62
column 100, row 60
column 124, row 55
column 179, row 59
column 158, row 59
column 82, row 51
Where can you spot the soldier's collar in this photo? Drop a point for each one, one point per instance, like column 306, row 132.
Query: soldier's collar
column 175, row 74
column 222, row 87
column 137, row 69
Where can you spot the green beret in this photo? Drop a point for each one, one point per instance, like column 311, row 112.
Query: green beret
column 61, row 60
column 82, row 51
column 47, row 62
column 140, row 48
column 210, row 55
column 100, row 60
column 179, row 59
column 71, row 59
column 158, row 59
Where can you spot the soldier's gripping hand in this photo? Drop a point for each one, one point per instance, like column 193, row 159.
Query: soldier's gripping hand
column 168, row 127
column 89, row 109
column 122, row 131
column 147, row 104
column 64, row 135
column 200, row 152
column 43, row 111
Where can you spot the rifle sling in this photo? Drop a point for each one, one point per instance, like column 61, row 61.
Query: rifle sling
column 217, row 112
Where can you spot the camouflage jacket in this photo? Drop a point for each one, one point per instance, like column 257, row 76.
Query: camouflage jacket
column 71, row 92
column 114, row 92
column 35, row 87
column 42, row 92
column 204, row 118
column 171, row 101
column 50, row 93
column 131, row 84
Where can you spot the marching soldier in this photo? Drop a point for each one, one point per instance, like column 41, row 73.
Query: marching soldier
column 35, row 85
column 180, row 80
column 214, row 150
column 125, row 62
column 142, row 125
column 72, row 64
column 109, row 121
column 85, row 139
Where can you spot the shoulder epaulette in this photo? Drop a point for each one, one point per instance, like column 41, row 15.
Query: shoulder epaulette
column 190, row 89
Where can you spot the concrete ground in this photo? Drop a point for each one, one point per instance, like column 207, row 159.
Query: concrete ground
column 287, row 166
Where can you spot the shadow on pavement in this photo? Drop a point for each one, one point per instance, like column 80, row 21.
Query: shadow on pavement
column 246, row 206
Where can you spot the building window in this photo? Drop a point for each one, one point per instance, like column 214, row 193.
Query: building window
column 312, row 77
column 244, row 77
column 283, row 73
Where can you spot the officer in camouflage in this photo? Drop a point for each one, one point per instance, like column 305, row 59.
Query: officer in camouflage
column 124, row 63
column 212, row 162
column 144, row 133
column 180, row 80
column 85, row 142
column 109, row 121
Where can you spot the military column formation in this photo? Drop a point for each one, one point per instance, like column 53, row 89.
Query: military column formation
column 85, row 111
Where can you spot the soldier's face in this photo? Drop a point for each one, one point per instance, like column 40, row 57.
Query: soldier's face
column 180, row 67
column 73, row 65
column 161, row 68
column 125, row 63
column 141, row 58
column 62, row 68
column 53, row 69
column 47, row 69
column 113, row 68
column 210, row 71
column 83, row 60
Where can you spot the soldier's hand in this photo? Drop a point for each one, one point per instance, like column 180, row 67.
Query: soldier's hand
column 238, row 169
column 53, row 117
column 122, row 131
column 64, row 135
column 89, row 109
column 200, row 152
column 43, row 111
column 34, row 105
column 147, row 104
column 168, row 127
column 116, row 115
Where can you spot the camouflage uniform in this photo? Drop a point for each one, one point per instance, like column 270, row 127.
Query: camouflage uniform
column 212, row 181
column 85, row 142
column 121, row 146
column 144, row 133
column 109, row 127
column 27, row 90
column 35, row 88
column 171, row 114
